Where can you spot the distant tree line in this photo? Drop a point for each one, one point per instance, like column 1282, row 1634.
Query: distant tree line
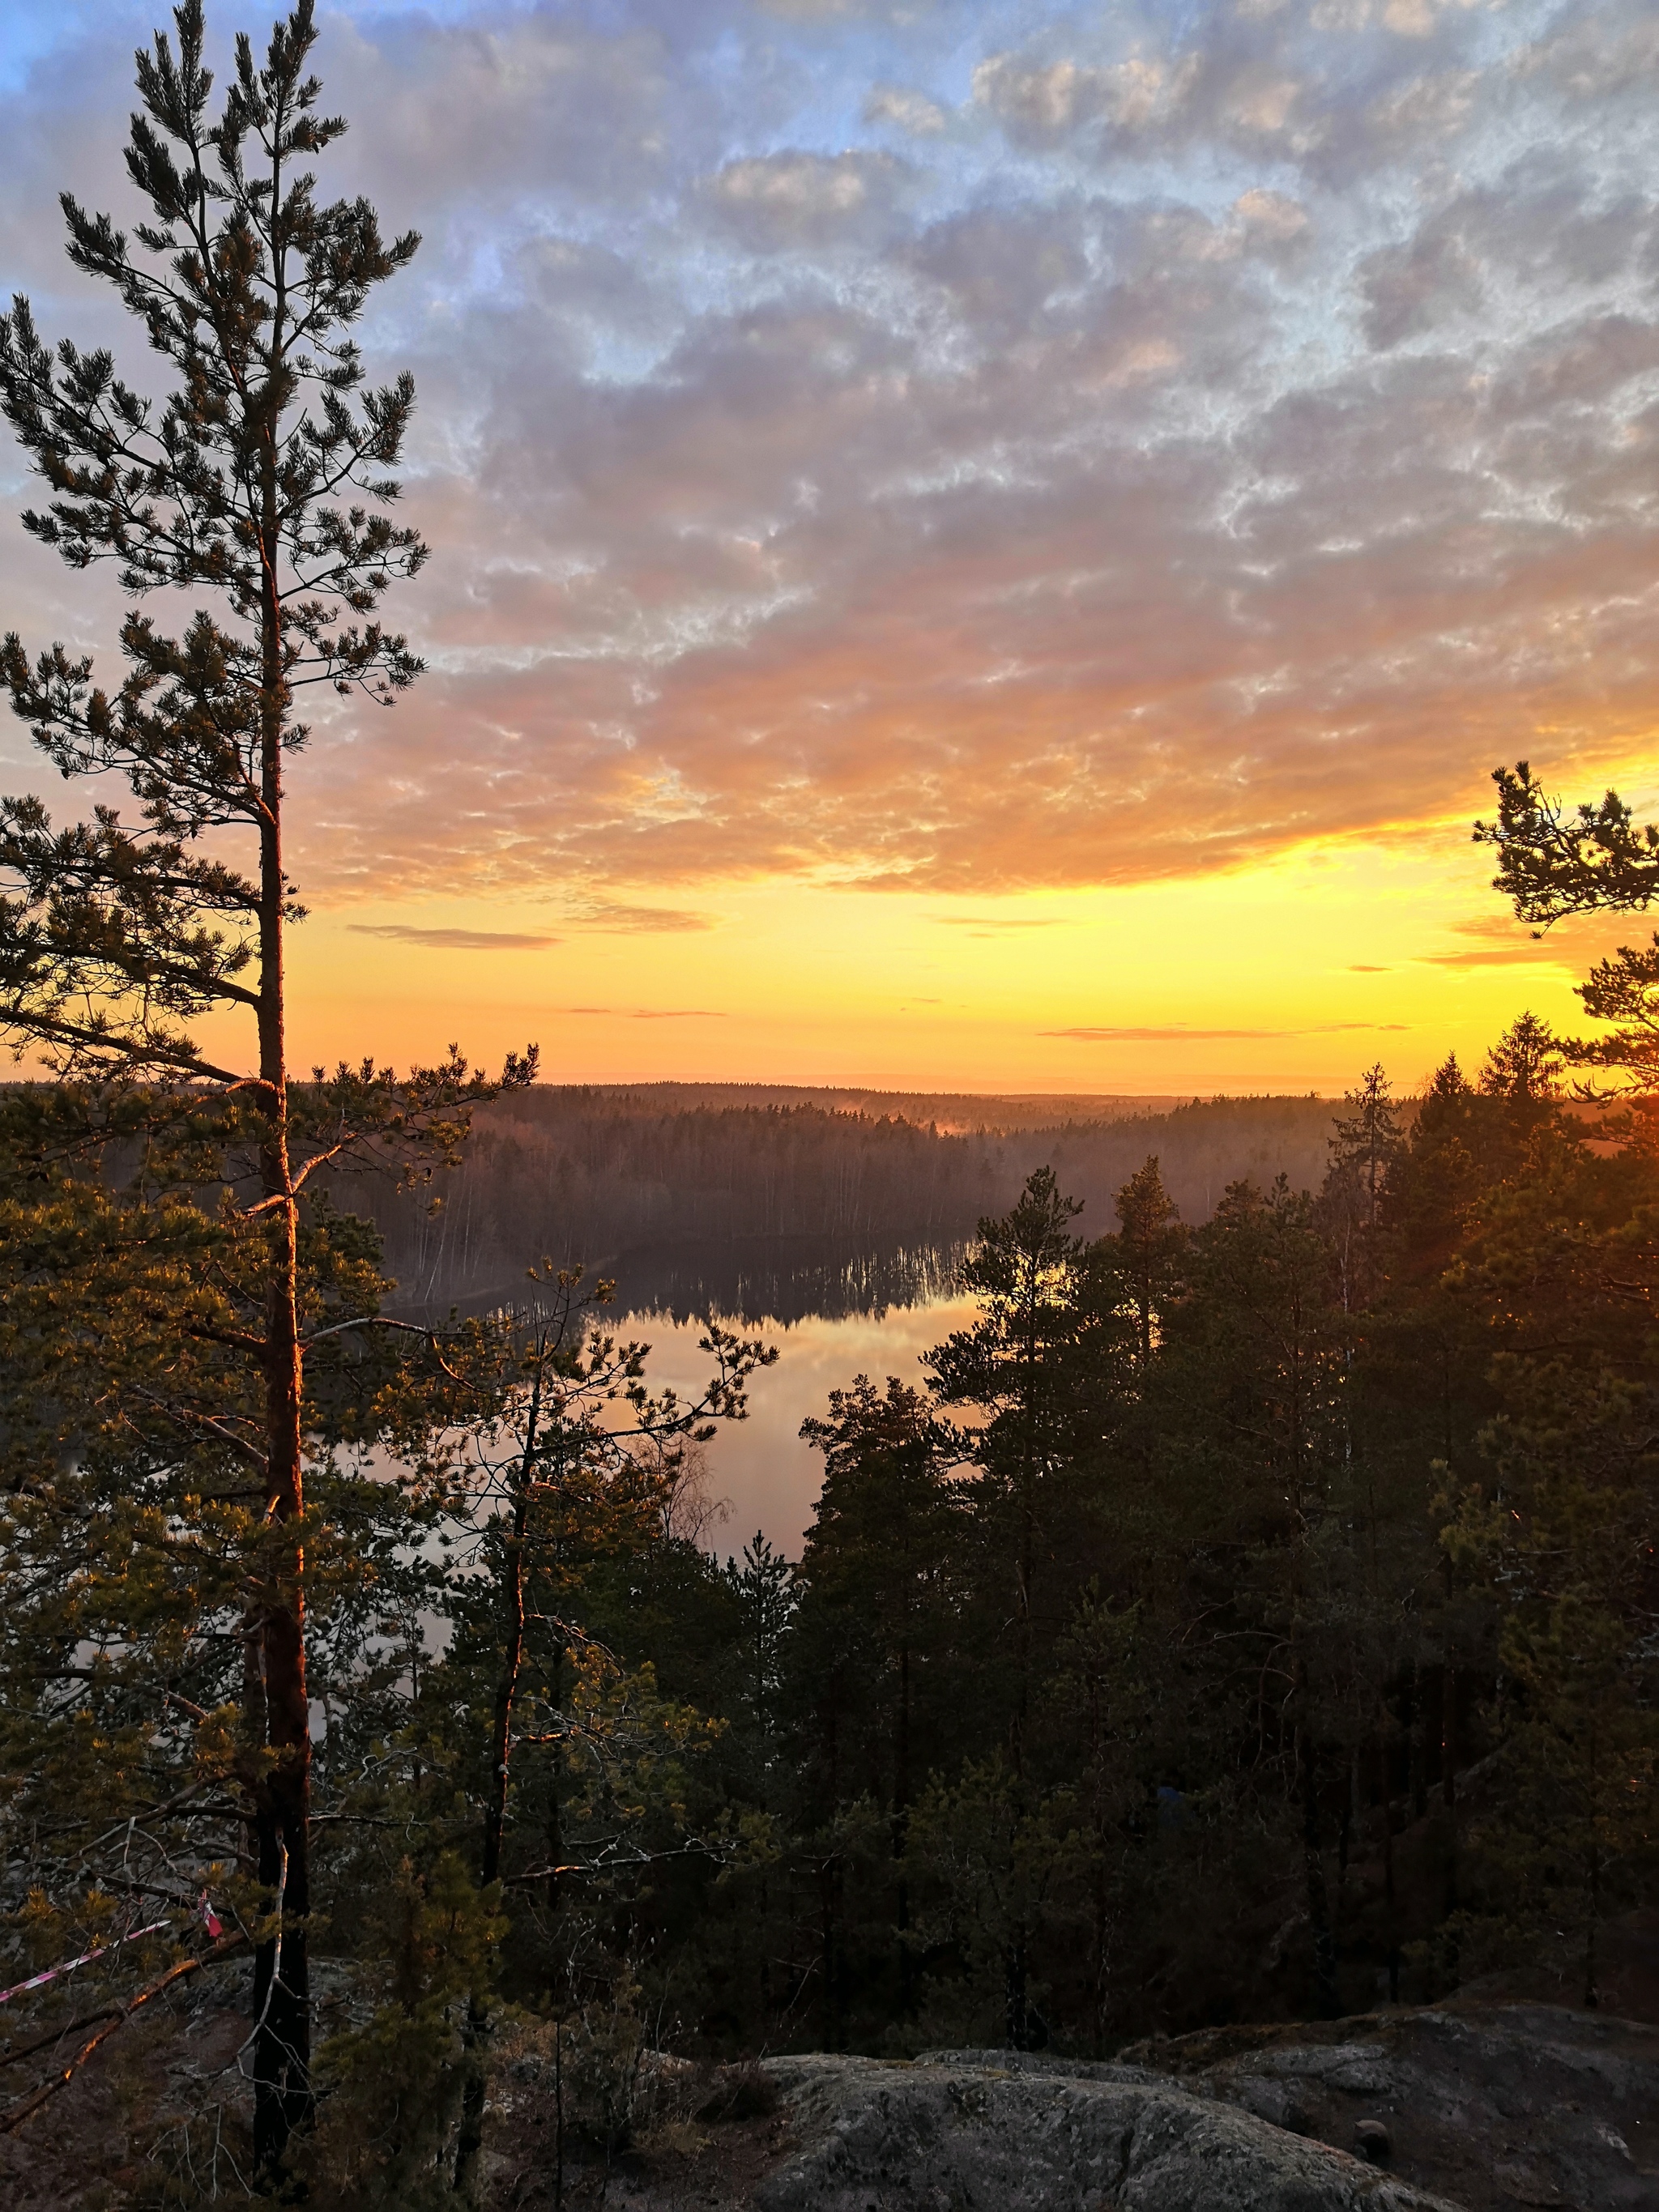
column 612, row 1178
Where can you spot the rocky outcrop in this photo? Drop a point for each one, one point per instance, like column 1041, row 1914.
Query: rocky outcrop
column 1464, row 2108
column 972, row 2132
column 1494, row 2106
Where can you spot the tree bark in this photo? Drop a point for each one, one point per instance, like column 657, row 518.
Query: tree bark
column 1318, row 1906
column 282, row 2058
column 1390, row 1902
column 470, row 2140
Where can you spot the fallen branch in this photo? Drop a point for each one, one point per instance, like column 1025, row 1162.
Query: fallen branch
column 56, row 2035
column 225, row 1950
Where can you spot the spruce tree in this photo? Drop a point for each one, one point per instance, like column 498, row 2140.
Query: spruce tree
column 1149, row 1244
column 1364, row 1148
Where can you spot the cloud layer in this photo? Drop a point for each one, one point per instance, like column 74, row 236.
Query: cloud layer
column 1107, row 452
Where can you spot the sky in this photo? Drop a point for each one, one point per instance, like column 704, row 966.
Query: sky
column 976, row 546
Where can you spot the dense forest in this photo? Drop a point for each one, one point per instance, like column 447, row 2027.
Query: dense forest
column 1239, row 1618
column 754, row 1200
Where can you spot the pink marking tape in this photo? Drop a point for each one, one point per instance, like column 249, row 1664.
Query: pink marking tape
column 40, row 1981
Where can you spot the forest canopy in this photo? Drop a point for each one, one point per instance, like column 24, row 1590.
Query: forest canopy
column 1235, row 1619
column 682, row 1192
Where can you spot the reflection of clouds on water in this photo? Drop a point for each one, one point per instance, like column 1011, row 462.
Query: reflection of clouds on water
column 770, row 1477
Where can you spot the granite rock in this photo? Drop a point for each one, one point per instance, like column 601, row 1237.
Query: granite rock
column 972, row 2132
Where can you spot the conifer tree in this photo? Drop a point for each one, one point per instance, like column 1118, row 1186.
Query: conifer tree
column 1150, row 1241
column 1524, row 1066
column 763, row 1587
column 1597, row 860
column 1011, row 1364
column 259, row 485
column 1555, row 1535
column 1623, row 992
column 1364, row 1145
column 878, row 1550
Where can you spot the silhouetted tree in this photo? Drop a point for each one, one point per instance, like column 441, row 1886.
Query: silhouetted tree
column 258, row 482
column 1551, row 864
column 1150, row 1244
column 1525, row 1064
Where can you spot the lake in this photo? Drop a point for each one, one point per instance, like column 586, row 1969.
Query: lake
column 833, row 1310
column 760, row 1466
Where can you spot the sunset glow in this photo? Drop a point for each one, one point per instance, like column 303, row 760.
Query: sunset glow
column 980, row 548
column 1198, row 985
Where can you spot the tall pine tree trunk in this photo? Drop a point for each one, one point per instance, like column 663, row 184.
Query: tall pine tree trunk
column 248, row 288
column 282, row 2058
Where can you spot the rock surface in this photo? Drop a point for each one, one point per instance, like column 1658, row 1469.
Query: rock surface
column 1496, row 2107
column 1485, row 2108
column 966, row 2133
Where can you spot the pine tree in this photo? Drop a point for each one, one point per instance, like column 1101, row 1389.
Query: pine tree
column 569, row 1470
column 132, row 1748
column 1598, row 860
column 259, row 484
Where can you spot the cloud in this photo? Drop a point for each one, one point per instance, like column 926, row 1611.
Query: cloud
column 603, row 915
column 1495, row 941
column 1270, row 219
column 1408, row 290
column 907, row 111
column 452, row 941
column 1041, row 104
column 1172, row 1034
column 831, row 11
column 1601, row 55
column 1178, row 1033
column 1219, row 438
column 640, row 921
column 984, row 924
column 649, row 1013
column 795, row 199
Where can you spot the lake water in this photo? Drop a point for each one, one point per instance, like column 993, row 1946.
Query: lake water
column 834, row 1311
column 760, row 1466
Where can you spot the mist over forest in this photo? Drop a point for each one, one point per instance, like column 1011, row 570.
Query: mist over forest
column 761, row 1200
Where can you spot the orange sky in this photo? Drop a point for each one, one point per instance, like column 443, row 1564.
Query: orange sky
column 1289, row 974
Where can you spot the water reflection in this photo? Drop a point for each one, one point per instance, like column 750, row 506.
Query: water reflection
column 760, row 1466
column 746, row 1279
column 780, row 1279
column 832, row 1311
